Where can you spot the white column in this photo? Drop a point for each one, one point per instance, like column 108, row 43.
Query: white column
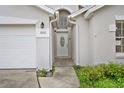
column 77, row 44
column 51, row 51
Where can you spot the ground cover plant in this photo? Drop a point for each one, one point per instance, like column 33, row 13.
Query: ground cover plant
column 109, row 75
column 44, row 73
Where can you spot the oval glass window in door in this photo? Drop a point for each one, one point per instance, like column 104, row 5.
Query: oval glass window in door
column 62, row 41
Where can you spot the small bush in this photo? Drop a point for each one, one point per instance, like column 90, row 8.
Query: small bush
column 102, row 75
column 53, row 70
column 106, row 83
column 113, row 71
column 42, row 73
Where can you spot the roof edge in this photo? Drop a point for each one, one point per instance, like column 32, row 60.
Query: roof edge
column 93, row 9
column 45, row 8
column 80, row 11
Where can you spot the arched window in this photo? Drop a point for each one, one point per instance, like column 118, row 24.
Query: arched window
column 63, row 14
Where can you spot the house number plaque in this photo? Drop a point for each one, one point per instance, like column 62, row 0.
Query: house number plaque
column 42, row 32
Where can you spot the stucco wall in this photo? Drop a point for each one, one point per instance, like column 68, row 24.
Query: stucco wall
column 91, row 42
column 43, row 53
column 83, row 40
column 24, row 11
column 103, row 41
column 73, row 44
column 32, row 12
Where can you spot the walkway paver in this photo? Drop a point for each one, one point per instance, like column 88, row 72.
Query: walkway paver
column 64, row 77
column 63, row 63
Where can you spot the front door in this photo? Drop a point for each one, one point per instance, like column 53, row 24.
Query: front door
column 62, row 44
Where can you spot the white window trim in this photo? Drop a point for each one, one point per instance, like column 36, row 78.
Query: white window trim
column 119, row 55
column 119, row 17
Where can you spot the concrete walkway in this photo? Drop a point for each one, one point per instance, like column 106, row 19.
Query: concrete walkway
column 18, row 79
column 64, row 77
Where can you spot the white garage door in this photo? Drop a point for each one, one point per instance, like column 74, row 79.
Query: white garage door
column 17, row 46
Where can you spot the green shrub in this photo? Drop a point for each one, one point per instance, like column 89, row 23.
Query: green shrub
column 102, row 75
column 42, row 73
column 113, row 71
column 106, row 83
column 53, row 69
column 87, row 84
column 120, row 82
column 90, row 73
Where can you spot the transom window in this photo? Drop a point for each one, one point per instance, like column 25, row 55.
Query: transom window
column 62, row 22
column 120, row 36
column 63, row 15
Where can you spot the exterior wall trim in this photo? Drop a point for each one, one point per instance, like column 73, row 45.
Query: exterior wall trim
column 119, row 55
column 119, row 17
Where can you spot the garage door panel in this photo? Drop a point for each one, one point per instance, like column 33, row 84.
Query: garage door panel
column 16, row 41
column 17, row 30
column 17, row 51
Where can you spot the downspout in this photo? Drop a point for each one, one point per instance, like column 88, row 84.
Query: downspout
column 50, row 40
column 77, row 39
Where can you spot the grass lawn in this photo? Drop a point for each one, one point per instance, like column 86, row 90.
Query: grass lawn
column 101, row 76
